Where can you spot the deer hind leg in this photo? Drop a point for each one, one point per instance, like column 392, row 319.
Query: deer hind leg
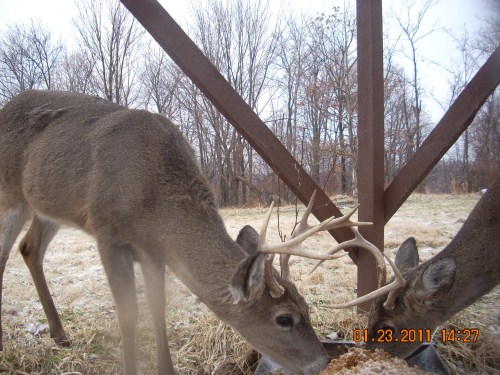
column 33, row 247
column 11, row 224
column 154, row 278
column 118, row 263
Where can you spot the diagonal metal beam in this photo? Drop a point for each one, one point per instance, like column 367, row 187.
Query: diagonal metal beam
column 455, row 121
column 214, row 86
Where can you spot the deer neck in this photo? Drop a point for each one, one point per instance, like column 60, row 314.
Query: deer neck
column 204, row 257
column 476, row 254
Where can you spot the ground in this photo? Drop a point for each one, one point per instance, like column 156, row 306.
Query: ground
column 200, row 343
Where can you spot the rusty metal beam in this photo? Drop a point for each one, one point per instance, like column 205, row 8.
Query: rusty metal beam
column 455, row 121
column 370, row 138
column 200, row 70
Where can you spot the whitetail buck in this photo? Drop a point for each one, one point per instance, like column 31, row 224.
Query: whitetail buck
column 130, row 179
column 437, row 289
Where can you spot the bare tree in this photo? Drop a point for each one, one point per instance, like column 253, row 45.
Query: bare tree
column 317, row 73
column 410, row 21
column 473, row 161
column 290, row 67
column 161, row 82
column 460, row 73
column 485, row 130
column 241, row 42
column 29, row 58
column 109, row 35
column 315, row 97
column 485, row 140
column 76, row 74
column 398, row 115
column 339, row 56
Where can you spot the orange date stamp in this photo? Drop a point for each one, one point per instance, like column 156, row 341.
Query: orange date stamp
column 467, row 335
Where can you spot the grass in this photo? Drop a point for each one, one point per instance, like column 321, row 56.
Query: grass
column 200, row 343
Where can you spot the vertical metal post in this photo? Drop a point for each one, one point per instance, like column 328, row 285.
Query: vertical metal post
column 370, row 138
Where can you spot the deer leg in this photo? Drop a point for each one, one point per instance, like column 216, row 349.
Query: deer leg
column 154, row 278
column 11, row 224
column 33, row 247
column 118, row 264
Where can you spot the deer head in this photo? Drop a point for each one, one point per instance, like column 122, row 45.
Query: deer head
column 450, row 281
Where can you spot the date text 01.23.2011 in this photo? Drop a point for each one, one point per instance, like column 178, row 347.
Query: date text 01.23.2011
column 416, row 335
column 387, row 336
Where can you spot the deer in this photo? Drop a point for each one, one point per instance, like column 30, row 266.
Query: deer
column 129, row 178
column 465, row 270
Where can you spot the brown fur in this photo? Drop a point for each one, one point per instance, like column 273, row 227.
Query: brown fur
column 129, row 178
column 437, row 289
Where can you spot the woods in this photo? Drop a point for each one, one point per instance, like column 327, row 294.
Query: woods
column 298, row 72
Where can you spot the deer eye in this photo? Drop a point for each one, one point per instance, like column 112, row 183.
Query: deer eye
column 284, row 321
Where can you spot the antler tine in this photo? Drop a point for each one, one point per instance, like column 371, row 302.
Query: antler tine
column 274, row 287
column 303, row 224
column 263, row 228
column 284, row 266
column 302, row 231
column 301, row 228
column 292, row 247
column 344, row 221
column 399, row 282
column 393, row 288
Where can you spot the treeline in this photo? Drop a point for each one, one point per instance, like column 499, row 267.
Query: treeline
column 297, row 72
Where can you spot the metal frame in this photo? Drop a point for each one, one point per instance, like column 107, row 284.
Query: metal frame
column 370, row 138
column 377, row 205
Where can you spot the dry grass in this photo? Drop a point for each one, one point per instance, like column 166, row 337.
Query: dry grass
column 200, row 344
column 482, row 357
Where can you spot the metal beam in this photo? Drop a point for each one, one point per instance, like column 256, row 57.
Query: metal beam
column 214, row 86
column 370, row 138
column 455, row 121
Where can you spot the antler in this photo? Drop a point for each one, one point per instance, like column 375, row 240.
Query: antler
column 303, row 227
column 292, row 246
column 305, row 230
column 392, row 288
column 301, row 233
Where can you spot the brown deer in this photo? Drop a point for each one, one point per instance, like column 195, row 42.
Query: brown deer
column 130, row 179
column 455, row 278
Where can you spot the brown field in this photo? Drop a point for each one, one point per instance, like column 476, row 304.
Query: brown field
column 200, row 344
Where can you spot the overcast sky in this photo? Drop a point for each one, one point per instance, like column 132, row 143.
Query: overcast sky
column 439, row 48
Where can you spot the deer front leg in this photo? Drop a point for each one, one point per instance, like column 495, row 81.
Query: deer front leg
column 11, row 224
column 33, row 247
column 154, row 278
column 118, row 264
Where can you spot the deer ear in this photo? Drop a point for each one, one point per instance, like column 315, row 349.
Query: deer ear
column 248, row 239
column 437, row 279
column 248, row 282
column 407, row 255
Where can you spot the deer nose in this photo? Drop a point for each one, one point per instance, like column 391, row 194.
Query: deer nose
column 266, row 365
column 317, row 366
